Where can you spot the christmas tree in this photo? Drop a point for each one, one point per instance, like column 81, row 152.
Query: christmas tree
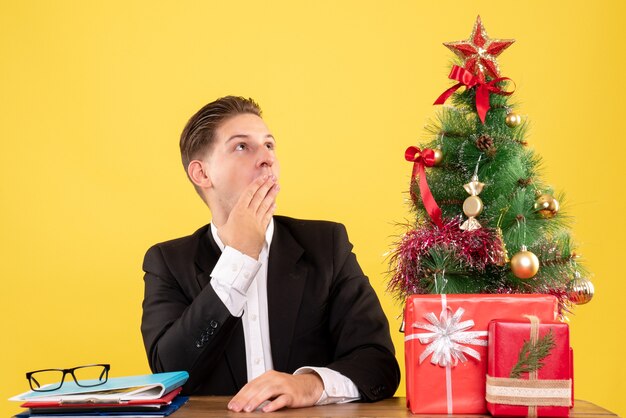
column 485, row 221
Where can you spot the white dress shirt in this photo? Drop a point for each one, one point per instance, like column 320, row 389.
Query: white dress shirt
column 240, row 282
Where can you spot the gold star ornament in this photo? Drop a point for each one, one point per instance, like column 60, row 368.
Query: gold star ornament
column 479, row 52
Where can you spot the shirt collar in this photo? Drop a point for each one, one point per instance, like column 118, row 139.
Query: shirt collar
column 269, row 234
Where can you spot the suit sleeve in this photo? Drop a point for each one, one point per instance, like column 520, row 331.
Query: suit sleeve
column 359, row 328
column 180, row 333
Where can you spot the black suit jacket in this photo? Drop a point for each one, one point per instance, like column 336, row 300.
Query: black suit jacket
column 322, row 312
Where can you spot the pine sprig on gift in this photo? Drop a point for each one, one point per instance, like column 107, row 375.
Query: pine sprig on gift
column 531, row 356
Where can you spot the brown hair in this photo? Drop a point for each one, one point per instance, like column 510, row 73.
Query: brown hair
column 199, row 133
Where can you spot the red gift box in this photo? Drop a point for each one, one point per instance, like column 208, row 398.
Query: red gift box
column 446, row 347
column 546, row 392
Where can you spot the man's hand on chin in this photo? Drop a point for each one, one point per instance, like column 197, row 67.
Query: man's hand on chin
column 281, row 389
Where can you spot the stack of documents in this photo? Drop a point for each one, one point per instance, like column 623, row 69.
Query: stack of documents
column 150, row 395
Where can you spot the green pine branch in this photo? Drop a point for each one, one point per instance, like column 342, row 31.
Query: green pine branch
column 531, row 356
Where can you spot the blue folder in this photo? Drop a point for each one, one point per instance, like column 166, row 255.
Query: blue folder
column 150, row 386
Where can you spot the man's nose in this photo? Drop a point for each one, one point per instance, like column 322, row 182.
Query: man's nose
column 266, row 158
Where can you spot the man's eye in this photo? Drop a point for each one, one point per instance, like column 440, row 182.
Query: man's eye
column 240, row 147
column 270, row 145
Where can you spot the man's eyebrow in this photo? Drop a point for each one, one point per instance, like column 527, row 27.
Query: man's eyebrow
column 248, row 136
column 237, row 136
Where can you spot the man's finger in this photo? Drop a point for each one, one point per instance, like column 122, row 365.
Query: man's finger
column 261, row 193
column 250, row 191
column 267, row 217
column 241, row 398
column 268, row 201
column 258, row 394
column 278, row 403
column 251, row 395
column 238, row 402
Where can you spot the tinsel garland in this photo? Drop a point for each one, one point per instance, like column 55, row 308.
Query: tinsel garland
column 474, row 249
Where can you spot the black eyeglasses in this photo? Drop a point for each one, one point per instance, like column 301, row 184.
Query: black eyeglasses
column 46, row 380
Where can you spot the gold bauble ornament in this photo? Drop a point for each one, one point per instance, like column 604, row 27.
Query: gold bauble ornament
column 512, row 120
column 524, row 264
column 438, row 154
column 580, row 290
column 546, row 205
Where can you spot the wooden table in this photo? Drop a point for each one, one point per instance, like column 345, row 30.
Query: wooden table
column 215, row 406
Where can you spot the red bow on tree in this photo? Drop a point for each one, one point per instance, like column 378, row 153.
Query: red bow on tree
column 422, row 159
column 469, row 80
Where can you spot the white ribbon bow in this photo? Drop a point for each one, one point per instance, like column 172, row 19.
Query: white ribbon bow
column 446, row 337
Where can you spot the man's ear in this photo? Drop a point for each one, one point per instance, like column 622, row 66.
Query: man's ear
column 198, row 174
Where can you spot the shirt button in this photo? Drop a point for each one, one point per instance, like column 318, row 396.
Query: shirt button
column 246, row 275
column 253, row 317
column 334, row 390
column 257, row 360
column 233, row 267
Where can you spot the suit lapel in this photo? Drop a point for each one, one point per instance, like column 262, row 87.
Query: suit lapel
column 206, row 258
column 285, row 285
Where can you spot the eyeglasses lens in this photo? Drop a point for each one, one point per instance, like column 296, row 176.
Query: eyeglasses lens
column 90, row 375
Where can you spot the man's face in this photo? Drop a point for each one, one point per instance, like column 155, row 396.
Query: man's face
column 243, row 150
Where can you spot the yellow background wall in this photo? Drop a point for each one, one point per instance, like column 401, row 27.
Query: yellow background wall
column 93, row 96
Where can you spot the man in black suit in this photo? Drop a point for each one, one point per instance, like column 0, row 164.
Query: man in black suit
column 273, row 310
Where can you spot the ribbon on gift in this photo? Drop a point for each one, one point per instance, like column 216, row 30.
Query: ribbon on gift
column 469, row 80
column 421, row 159
column 532, row 392
column 446, row 340
column 447, row 337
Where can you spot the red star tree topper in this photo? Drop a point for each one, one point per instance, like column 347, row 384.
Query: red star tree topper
column 479, row 52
